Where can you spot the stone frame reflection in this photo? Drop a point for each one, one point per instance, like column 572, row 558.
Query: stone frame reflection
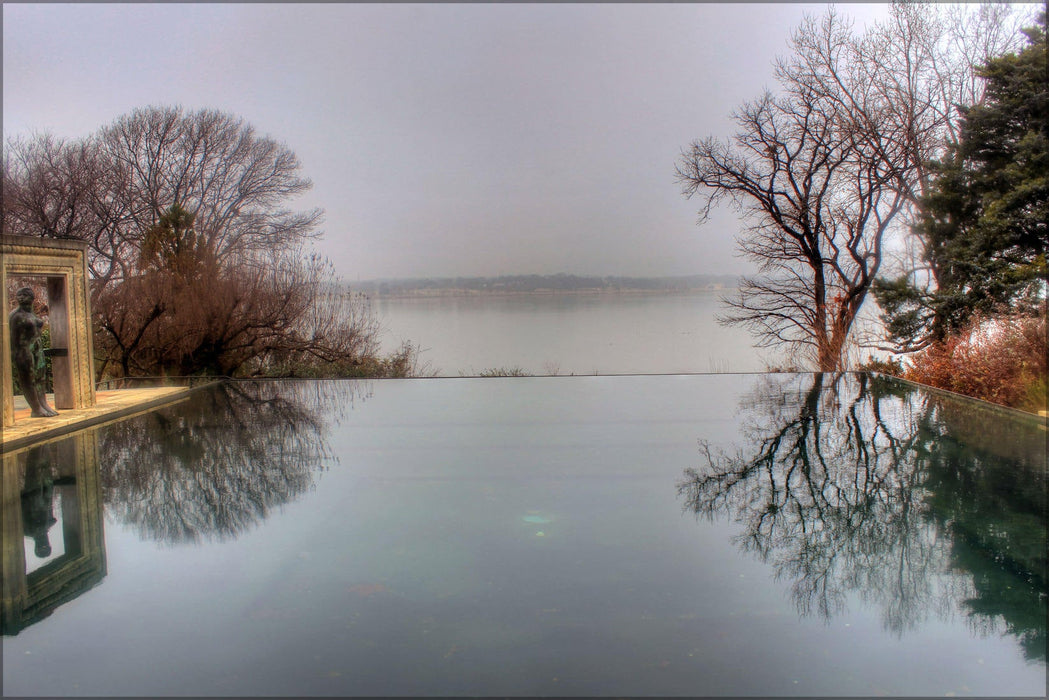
column 30, row 474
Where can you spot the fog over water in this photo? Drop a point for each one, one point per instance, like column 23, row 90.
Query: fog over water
column 442, row 139
column 572, row 334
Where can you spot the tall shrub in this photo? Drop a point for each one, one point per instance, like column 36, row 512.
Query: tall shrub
column 998, row 359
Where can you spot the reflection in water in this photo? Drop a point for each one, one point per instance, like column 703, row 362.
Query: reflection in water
column 44, row 485
column 862, row 484
column 989, row 494
column 212, row 465
column 217, row 463
column 38, row 501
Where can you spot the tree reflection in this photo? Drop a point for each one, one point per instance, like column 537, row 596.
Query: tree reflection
column 854, row 483
column 219, row 462
column 988, row 493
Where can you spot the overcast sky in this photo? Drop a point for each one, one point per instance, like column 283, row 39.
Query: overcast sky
column 442, row 140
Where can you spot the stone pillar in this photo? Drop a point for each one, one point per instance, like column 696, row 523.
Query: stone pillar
column 12, row 551
column 58, row 319
column 7, row 396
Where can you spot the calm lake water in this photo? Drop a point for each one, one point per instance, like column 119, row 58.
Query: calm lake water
column 768, row 535
column 571, row 334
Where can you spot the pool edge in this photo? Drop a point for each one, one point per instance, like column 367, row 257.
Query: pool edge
column 112, row 405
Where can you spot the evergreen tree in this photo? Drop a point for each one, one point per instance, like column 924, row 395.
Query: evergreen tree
column 985, row 221
column 173, row 244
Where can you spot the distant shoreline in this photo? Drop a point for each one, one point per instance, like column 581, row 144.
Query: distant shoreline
column 477, row 293
column 542, row 285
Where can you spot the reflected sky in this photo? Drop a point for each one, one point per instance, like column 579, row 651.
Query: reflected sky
column 692, row 535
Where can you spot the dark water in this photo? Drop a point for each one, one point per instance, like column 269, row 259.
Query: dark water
column 676, row 535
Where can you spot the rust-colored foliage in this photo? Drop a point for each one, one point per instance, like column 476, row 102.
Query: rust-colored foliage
column 1002, row 360
column 263, row 316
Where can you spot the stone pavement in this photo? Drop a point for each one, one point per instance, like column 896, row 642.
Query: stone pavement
column 109, row 405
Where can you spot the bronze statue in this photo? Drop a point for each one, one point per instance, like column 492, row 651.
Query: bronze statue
column 27, row 353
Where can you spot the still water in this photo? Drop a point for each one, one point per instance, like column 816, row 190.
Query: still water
column 662, row 535
column 571, row 334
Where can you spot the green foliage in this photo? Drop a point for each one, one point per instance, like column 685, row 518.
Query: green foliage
column 173, row 244
column 985, row 222
column 1035, row 396
column 892, row 366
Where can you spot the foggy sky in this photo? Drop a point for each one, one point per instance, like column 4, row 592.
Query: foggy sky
column 442, row 140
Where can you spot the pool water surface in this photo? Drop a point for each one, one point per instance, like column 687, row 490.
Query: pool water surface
column 690, row 535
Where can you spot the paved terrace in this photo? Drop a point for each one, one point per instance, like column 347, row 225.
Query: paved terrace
column 109, row 405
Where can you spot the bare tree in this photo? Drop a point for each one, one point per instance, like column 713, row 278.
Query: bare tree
column 900, row 86
column 818, row 205
column 197, row 261
column 833, row 163
column 111, row 188
column 210, row 163
column 54, row 188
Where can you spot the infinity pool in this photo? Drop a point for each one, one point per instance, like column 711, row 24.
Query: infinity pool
column 644, row 535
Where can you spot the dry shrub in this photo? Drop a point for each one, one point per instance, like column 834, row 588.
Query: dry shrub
column 271, row 314
column 1000, row 359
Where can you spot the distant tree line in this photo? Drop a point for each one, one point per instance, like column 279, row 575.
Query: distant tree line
column 561, row 282
column 198, row 263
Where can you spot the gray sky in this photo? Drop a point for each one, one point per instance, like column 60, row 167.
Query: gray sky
column 443, row 140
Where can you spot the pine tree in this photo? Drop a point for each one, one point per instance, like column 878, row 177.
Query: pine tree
column 985, row 222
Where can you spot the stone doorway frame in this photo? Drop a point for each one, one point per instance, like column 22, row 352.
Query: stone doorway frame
column 63, row 263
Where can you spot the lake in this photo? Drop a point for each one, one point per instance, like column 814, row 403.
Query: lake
column 571, row 333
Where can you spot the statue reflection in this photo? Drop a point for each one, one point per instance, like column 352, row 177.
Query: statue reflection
column 219, row 462
column 38, row 503
column 860, row 484
column 51, row 499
